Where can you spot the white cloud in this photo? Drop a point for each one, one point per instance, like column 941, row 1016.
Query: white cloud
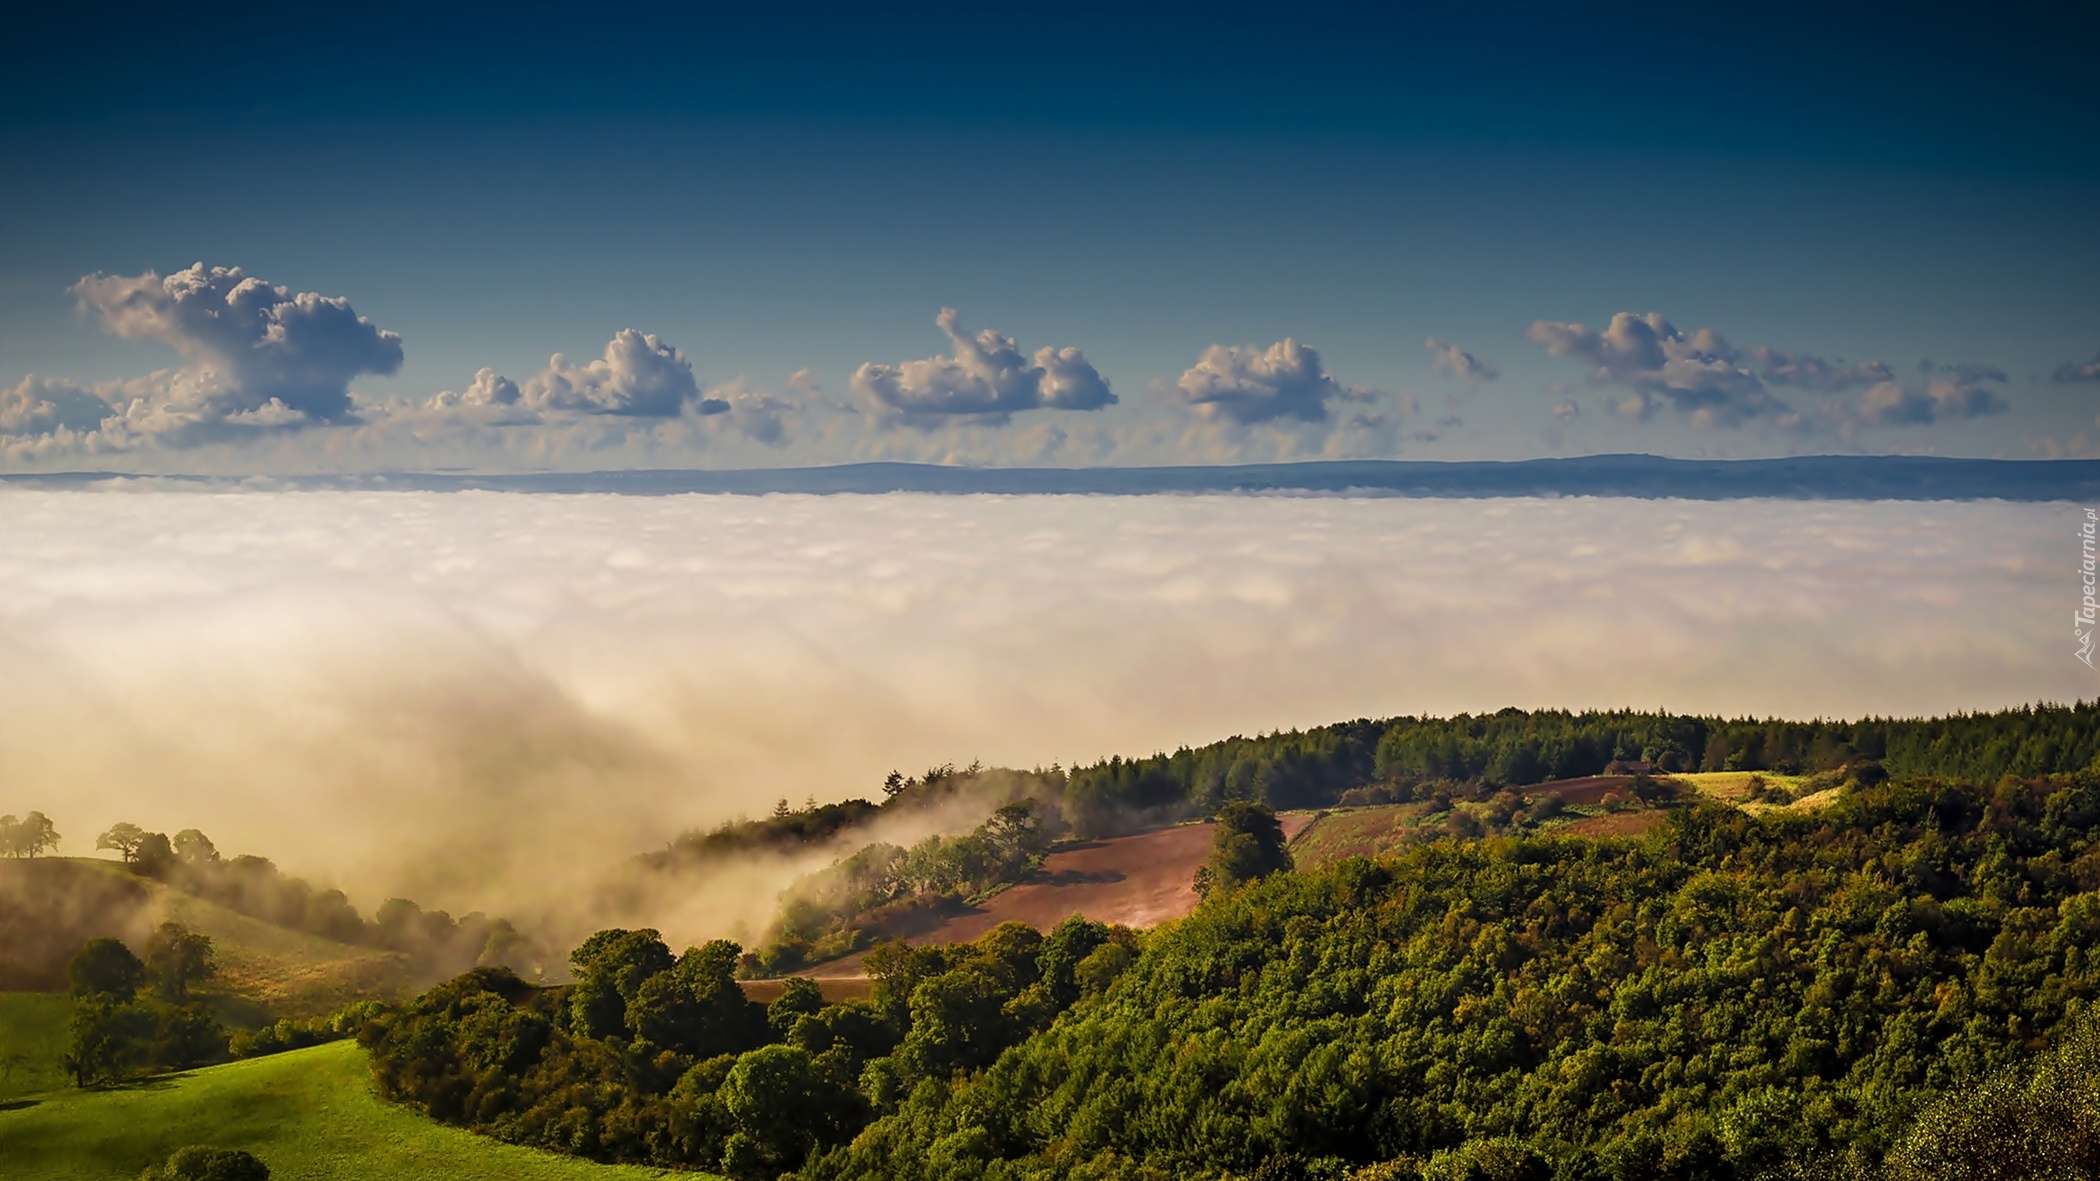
column 260, row 344
column 45, row 405
column 489, row 388
column 638, row 375
column 1458, row 362
column 988, row 377
column 1249, row 385
column 1950, row 396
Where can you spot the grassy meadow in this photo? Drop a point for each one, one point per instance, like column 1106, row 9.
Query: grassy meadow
column 32, row 1039
column 309, row 1114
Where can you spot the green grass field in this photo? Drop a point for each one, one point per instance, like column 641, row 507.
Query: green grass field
column 32, row 1038
column 309, row 1114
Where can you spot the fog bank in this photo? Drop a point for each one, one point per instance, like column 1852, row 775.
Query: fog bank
column 480, row 698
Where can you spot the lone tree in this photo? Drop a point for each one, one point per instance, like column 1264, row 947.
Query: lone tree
column 1248, row 844
column 105, row 1039
column 195, row 849
column 177, row 957
column 124, row 838
column 106, row 969
column 154, row 856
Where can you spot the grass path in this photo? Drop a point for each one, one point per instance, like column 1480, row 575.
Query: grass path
column 309, row 1114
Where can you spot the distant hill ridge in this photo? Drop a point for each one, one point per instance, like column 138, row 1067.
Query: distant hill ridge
column 1808, row 477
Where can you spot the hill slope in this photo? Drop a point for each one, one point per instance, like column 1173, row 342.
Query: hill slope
column 49, row 906
column 1137, row 881
column 309, row 1114
column 32, row 1039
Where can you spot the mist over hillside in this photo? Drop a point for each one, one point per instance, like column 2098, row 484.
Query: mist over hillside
column 480, row 700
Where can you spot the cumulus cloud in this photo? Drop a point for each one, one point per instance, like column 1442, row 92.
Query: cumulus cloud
column 2071, row 371
column 263, row 345
column 1697, row 374
column 1712, row 383
column 1458, row 362
column 641, row 390
column 1949, row 393
column 45, row 405
column 638, row 375
column 461, row 697
column 988, row 377
column 1249, row 385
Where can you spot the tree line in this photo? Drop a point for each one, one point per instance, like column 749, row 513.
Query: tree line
column 1513, row 748
column 254, row 886
column 28, row 836
column 1468, row 756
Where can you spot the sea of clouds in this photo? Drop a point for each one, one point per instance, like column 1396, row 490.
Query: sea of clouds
column 481, row 699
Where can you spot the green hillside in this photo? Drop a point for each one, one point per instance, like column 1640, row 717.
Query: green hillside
column 32, row 1037
column 60, row 903
column 291, row 973
column 309, row 1114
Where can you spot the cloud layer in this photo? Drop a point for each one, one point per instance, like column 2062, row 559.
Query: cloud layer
column 988, row 377
column 464, row 695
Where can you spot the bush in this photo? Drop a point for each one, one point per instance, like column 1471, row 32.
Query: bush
column 297, row 1035
column 200, row 1163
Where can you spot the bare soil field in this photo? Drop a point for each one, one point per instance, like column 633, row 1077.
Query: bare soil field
column 1357, row 832
column 1588, row 790
column 834, row 988
column 1138, row 881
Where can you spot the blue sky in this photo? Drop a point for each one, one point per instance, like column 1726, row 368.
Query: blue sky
column 778, row 201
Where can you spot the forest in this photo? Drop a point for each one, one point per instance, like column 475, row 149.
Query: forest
column 876, row 889
column 1731, row 996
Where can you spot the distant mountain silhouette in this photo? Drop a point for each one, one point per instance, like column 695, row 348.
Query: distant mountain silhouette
column 1814, row 477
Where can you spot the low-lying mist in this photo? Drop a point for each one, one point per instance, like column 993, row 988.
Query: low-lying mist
column 485, row 700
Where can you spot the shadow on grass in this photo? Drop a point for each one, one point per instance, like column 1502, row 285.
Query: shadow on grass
column 19, row 1104
column 151, row 1082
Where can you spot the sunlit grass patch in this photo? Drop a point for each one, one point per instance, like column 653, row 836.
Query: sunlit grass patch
column 309, row 1114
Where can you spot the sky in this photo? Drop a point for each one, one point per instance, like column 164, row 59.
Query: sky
column 260, row 239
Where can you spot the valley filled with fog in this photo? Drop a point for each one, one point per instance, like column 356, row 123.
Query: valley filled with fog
column 484, row 699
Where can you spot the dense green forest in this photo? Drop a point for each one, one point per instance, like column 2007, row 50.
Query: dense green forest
column 876, row 888
column 1732, row 996
column 1316, row 768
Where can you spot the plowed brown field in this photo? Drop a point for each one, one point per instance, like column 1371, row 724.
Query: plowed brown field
column 1138, row 881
